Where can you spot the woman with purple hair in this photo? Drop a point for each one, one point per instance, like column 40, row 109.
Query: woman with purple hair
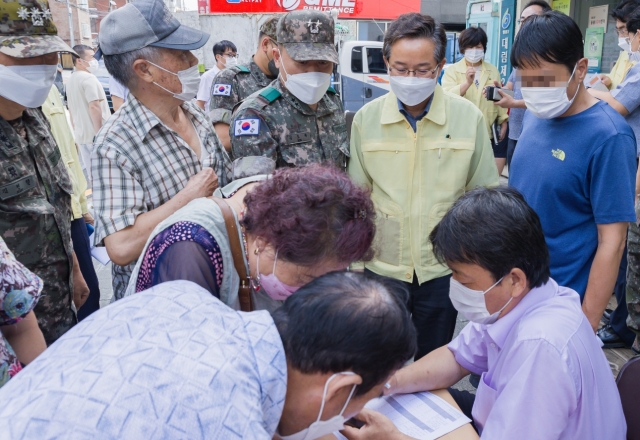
column 296, row 225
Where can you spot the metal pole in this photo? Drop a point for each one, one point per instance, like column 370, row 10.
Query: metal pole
column 71, row 38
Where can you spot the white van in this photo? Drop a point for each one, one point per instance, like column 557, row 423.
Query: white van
column 362, row 73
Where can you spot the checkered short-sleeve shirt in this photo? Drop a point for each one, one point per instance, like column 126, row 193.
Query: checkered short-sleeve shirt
column 138, row 164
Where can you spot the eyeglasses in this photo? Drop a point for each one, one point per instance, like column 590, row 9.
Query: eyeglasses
column 231, row 55
column 420, row 73
column 622, row 31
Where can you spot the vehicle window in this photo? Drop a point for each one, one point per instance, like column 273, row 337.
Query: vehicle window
column 375, row 61
column 356, row 59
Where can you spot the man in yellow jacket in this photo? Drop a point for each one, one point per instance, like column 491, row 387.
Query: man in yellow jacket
column 418, row 148
column 623, row 64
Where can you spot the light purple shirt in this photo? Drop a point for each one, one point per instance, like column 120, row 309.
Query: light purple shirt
column 544, row 375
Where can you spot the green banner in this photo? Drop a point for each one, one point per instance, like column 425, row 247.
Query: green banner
column 593, row 41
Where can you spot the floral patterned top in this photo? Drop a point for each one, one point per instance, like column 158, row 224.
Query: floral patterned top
column 19, row 293
column 183, row 251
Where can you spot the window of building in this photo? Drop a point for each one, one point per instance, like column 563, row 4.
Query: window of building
column 86, row 30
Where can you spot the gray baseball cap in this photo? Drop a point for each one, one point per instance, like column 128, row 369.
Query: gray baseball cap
column 145, row 23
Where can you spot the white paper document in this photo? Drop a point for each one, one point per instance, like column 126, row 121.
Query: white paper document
column 99, row 253
column 423, row 416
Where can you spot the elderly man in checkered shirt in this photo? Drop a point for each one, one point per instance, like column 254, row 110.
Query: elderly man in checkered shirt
column 158, row 152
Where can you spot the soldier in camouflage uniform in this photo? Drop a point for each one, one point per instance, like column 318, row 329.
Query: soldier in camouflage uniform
column 633, row 280
column 35, row 202
column 235, row 84
column 298, row 119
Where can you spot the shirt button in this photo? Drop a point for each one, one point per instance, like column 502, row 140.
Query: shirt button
column 408, row 275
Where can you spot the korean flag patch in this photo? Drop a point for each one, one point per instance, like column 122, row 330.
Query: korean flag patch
column 221, row 89
column 247, row 127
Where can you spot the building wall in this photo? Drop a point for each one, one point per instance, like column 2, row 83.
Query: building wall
column 78, row 17
column 445, row 11
column 241, row 29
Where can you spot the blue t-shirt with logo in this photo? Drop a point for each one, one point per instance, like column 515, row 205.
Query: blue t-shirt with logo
column 576, row 172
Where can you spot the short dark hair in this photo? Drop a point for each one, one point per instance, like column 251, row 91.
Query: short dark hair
column 541, row 3
column 80, row 49
column 471, row 37
column 633, row 21
column 347, row 321
column 414, row 25
column 497, row 230
column 221, row 47
column 624, row 9
column 553, row 37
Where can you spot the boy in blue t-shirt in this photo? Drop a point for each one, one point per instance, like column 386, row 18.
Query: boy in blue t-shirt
column 575, row 162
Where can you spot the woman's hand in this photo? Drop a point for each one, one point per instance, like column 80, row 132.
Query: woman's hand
column 470, row 75
column 377, row 427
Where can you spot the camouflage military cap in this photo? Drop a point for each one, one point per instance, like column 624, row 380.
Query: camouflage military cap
column 308, row 35
column 252, row 166
column 269, row 28
column 27, row 29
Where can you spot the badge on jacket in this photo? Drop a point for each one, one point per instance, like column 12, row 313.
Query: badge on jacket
column 221, row 89
column 247, row 127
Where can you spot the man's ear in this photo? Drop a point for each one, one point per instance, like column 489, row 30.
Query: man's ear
column 264, row 43
column 277, row 57
column 582, row 68
column 342, row 382
column 141, row 68
column 518, row 283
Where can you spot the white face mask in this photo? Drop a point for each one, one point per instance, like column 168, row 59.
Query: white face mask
column 412, row 90
column 93, row 65
column 189, row 78
column 633, row 56
column 320, row 428
column 230, row 62
column 308, row 87
column 29, row 86
column 474, row 55
column 471, row 304
column 622, row 44
column 548, row 102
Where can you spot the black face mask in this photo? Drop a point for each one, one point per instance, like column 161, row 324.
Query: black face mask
column 273, row 70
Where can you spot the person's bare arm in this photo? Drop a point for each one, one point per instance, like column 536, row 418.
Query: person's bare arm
column 439, row 369
column 222, row 130
column 95, row 113
column 200, row 104
column 604, row 270
column 609, row 99
column 80, row 288
column 25, row 338
column 127, row 244
column 117, row 102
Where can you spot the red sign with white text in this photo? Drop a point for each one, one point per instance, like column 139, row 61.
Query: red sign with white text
column 361, row 9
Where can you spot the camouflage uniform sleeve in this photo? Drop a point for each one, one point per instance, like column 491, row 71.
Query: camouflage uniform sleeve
column 244, row 142
column 224, row 96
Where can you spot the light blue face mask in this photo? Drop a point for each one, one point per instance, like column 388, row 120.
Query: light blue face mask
column 28, row 86
column 189, row 78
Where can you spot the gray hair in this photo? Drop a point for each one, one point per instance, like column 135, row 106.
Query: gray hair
column 120, row 66
column 414, row 25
